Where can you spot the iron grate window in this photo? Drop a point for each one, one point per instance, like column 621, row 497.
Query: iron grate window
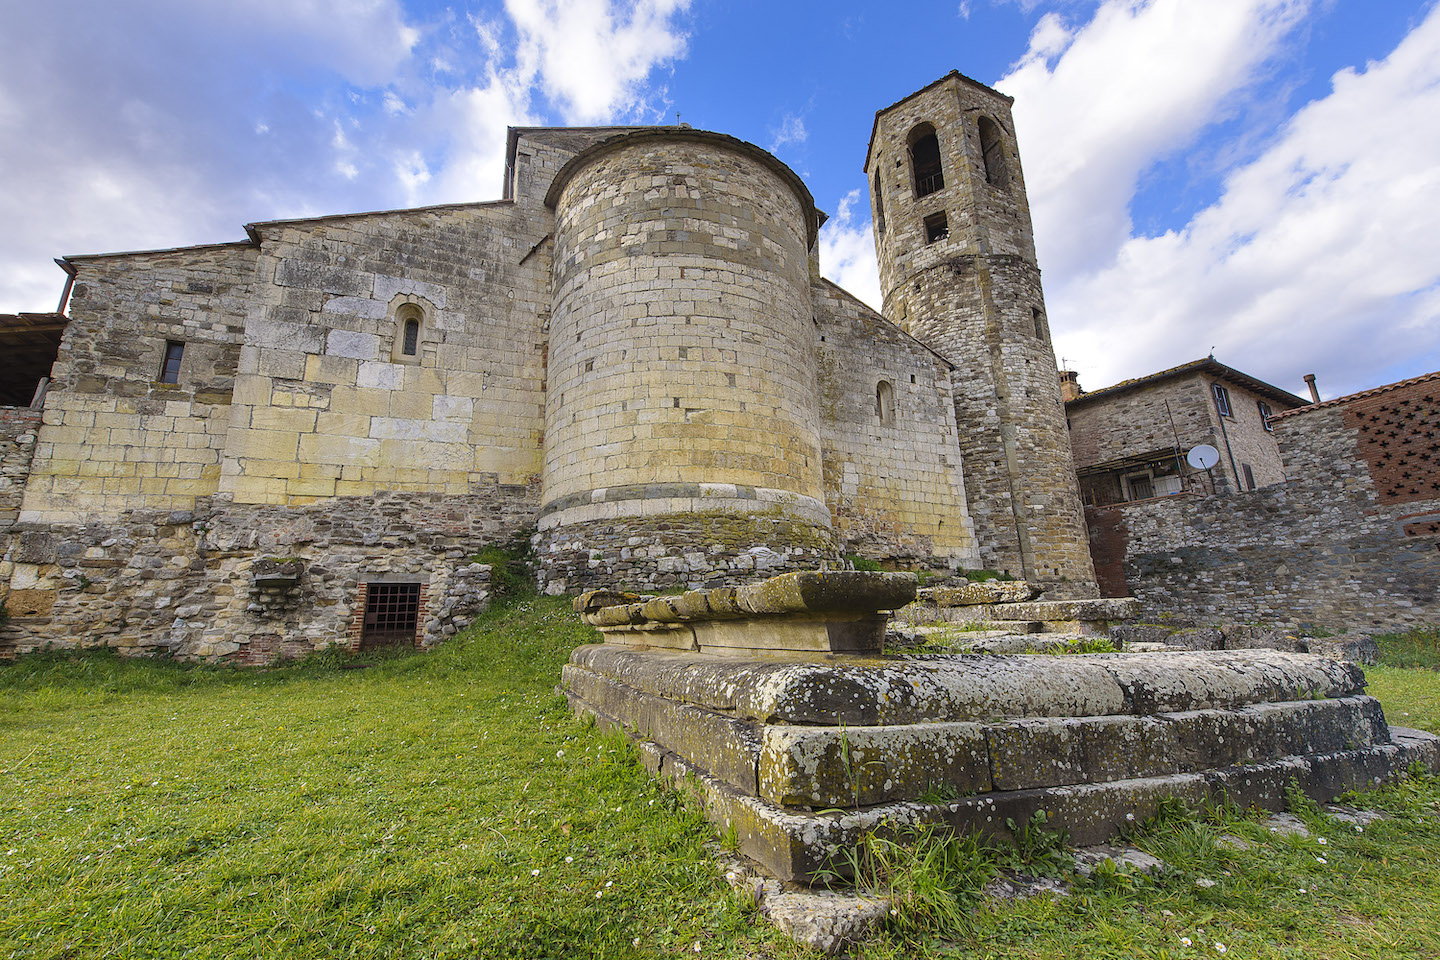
column 392, row 612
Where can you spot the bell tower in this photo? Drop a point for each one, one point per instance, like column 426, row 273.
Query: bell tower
column 958, row 272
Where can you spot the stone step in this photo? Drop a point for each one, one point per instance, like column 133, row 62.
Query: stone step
column 916, row 688
column 831, row 766
column 1090, row 618
column 798, row 846
column 802, row 755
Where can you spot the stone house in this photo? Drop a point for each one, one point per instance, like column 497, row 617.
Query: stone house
column 252, row 449
column 1130, row 440
column 1349, row 540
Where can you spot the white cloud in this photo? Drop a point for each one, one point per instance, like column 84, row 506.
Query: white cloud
column 1319, row 255
column 159, row 123
column 591, row 56
column 394, row 105
column 1137, row 83
column 847, row 252
column 1049, row 38
column 791, row 130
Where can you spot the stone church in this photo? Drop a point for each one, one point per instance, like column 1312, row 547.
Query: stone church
column 248, row 450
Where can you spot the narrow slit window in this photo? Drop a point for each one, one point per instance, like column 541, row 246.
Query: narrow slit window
column 392, row 615
column 170, row 369
column 885, row 401
column 879, row 206
column 937, row 227
column 1249, row 476
column 1038, row 319
column 925, row 160
column 409, row 333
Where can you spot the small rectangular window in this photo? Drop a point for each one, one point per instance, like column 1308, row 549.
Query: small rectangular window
column 392, row 614
column 937, row 227
column 1249, row 476
column 170, row 369
column 1222, row 399
column 1265, row 415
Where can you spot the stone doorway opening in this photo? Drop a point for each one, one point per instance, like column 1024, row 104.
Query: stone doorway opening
column 392, row 615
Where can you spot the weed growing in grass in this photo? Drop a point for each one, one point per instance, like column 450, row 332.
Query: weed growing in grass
column 980, row 576
column 1085, row 645
column 931, row 877
column 1417, row 647
column 512, row 567
column 1038, row 850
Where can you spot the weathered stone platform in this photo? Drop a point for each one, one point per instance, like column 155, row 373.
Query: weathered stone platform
column 833, row 612
column 803, row 752
column 1007, row 605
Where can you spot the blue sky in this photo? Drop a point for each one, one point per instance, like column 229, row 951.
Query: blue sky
column 1256, row 176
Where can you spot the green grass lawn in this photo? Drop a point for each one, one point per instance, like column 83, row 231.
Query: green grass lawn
column 447, row 805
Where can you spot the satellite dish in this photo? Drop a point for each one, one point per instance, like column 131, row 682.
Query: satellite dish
column 1203, row 457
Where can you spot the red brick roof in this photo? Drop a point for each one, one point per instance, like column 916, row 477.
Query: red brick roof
column 1373, row 391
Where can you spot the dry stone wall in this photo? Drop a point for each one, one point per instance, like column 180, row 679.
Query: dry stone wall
column 1322, row 550
column 186, row 583
column 19, row 429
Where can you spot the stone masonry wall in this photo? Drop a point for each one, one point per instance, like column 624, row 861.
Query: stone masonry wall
column 326, row 402
column 1137, row 421
column 681, row 550
column 1249, row 442
column 682, row 338
column 681, row 368
column 971, row 291
column 183, row 583
column 19, row 428
column 1328, row 548
column 114, row 438
column 894, row 488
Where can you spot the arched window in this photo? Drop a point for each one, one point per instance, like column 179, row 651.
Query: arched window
column 992, row 151
column 879, row 206
column 925, row 160
column 885, row 401
column 409, row 330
